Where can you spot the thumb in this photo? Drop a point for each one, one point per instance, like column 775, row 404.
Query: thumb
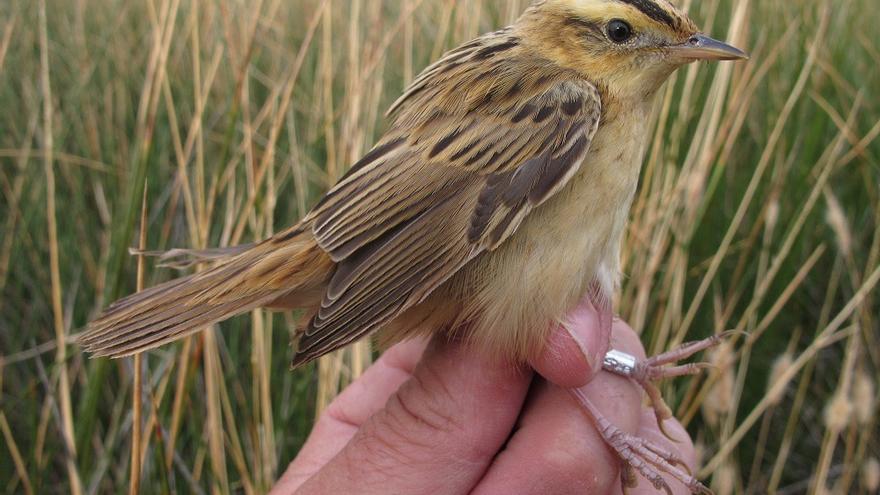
column 575, row 348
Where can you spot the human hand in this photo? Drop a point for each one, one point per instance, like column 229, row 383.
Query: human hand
column 439, row 418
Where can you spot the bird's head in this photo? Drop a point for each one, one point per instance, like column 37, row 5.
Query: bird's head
column 630, row 47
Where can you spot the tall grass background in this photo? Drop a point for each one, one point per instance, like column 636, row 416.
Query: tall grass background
column 169, row 123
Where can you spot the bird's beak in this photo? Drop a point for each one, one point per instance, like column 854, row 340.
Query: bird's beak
column 702, row 47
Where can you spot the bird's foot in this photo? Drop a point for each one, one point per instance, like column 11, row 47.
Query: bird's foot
column 645, row 372
column 640, row 455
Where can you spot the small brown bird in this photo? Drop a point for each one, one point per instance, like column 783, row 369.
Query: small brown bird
column 496, row 201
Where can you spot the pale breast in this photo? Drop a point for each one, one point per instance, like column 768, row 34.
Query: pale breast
column 564, row 246
column 506, row 300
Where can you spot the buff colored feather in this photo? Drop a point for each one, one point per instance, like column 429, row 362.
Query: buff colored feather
column 495, row 201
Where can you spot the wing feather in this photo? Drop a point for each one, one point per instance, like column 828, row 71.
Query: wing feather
column 446, row 183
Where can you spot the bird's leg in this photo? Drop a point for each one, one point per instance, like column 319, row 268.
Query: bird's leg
column 647, row 371
column 640, row 455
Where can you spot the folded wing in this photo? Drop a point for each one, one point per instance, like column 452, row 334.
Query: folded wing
column 446, row 183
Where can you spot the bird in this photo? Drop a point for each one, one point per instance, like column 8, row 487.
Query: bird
column 494, row 202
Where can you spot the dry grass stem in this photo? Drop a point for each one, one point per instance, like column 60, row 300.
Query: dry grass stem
column 758, row 211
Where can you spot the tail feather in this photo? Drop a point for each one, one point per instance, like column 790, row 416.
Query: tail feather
column 241, row 282
column 146, row 337
column 161, row 316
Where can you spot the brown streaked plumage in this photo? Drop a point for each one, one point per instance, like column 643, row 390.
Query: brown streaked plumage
column 495, row 201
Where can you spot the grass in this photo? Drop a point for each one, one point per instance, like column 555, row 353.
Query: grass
column 758, row 211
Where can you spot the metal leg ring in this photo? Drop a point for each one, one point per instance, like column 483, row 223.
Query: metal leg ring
column 619, row 363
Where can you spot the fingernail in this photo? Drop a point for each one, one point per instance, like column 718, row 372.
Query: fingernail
column 582, row 325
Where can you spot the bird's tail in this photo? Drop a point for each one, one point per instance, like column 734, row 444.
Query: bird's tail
column 287, row 267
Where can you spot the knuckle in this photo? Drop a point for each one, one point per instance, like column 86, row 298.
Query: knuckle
column 422, row 422
column 422, row 407
column 337, row 414
column 427, row 402
column 404, row 432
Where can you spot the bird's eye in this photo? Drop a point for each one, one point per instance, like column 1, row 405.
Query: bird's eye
column 619, row 31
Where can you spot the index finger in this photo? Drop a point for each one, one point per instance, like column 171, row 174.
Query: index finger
column 437, row 434
column 360, row 400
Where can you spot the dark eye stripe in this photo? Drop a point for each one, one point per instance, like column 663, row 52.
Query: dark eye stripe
column 652, row 10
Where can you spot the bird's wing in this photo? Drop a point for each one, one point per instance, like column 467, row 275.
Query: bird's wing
column 441, row 187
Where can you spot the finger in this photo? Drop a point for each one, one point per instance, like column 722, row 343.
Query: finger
column 683, row 447
column 556, row 448
column 342, row 418
column 624, row 338
column 574, row 349
column 371, row 391
column 437, row 434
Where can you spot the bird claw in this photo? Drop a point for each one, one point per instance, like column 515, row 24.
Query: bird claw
column 646, row 371
column 641, row 456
